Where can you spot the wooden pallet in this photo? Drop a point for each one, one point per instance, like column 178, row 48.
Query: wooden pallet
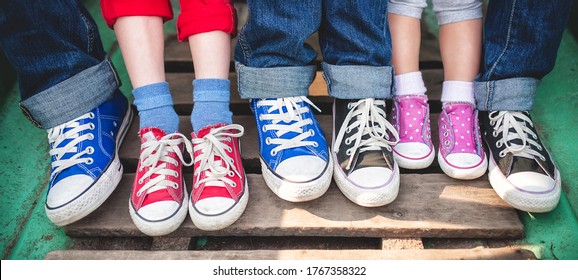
column 429, row 205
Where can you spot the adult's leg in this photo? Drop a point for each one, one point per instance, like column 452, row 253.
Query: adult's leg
column 68, row 86
column 520, row 44
column 57, row 53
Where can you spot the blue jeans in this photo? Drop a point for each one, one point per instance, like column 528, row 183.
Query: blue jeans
column 273, row 60
column 520, row 44
column 55, row 48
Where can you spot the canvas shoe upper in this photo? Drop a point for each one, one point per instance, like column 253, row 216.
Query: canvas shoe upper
column 461, row 154
column 220, row 192
column 365, row 169
column 521, row 170
column 157, row 203
column 85, row 166
column 294, row 155
column 410, row 117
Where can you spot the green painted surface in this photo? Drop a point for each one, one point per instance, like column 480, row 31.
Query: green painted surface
column 24, row 156
column 555, row 113
column 27, row 233
column 555, row 234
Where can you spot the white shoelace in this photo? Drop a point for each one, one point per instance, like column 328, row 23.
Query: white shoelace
column 211, row 146
column 155, row 151
column 283, row 111
column 369, row 120
column 502, row 121
column 57, row 135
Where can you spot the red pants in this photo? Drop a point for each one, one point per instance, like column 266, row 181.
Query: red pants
column 197, row 16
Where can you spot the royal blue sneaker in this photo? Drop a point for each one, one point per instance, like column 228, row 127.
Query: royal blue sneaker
column 85, row 164
column 294, row 155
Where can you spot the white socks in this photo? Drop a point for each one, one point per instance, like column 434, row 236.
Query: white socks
column 409, row 84
column 458, row 91
column 452, row 91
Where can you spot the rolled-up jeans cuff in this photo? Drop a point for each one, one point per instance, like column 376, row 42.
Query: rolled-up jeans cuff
column 358, row 81
column 72, row 97
column 515, row 94
column 275, row 82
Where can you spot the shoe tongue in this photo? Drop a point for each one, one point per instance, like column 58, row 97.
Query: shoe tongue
column 205, row 130
column 459, row 109
column 151, row 134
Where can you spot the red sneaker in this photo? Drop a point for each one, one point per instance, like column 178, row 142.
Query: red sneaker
column 220, row 192
column 157, row 203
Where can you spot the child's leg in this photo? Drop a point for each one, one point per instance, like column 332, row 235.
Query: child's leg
column 410, row 112
column 460, row 154
column 405, row 28
column 141, row 42
column 211, row 87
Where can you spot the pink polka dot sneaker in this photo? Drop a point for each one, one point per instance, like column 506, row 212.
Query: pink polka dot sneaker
column 410, row 117
column 461, row 155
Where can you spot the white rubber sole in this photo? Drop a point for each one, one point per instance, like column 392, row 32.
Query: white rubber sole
column 164, row 227
column 463, row 173
column 217, row 222
column 407, row 163
column 370, row 197
column 97, row 194
column 298, row 192
column 530, row 202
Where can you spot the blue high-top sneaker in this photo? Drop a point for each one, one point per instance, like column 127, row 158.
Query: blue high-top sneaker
column 85, row 164
column 294, row 155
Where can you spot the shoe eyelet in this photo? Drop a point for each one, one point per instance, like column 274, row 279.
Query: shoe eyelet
column 348, row 130
column 311, row 132
column 492, row 123
column 260, row 118
column 498, row 144
column 315, row 144
column 90, row 136
column 447, row 142
column 229, row 149
column 444, row 126
column 347, row 141
column 91, row 115
column 502, row 154
column 495, row 133
column 348, row 152
column 264, row 128
column 268, row 140
column 446, row 134
column 90, row 161
column 234, row 185
column 540, row 148
column 92, row 126
column 231, row 173
column 542, row 158
column 90, row 150
column 349, row 106
column 140, row 181
column 273, row 153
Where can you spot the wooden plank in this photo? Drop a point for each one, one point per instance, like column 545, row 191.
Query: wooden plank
column 428, row 205
column 129, row 151
column 434, row 254
column 401, row 243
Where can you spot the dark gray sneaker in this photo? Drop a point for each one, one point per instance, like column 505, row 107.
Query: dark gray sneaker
column 521, row 170
column 364, row 168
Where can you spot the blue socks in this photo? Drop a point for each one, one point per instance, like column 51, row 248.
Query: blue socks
column 155, row 106
column 211, row 97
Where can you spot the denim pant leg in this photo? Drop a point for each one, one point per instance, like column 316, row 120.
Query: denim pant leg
column 272, row 59
column 56, row 50
column 521, row 41
column 356, row 44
